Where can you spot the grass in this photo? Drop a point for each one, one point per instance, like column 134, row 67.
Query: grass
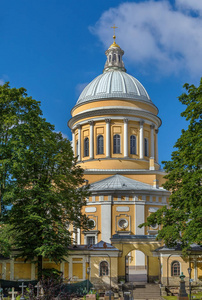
column 198, row 296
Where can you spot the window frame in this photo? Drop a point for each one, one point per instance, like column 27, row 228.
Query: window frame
column 146, row 147
column 117, row 144
column 100, row 144
column 86, row 147
column 175, row 270
column 133, row 138
column 101, row 273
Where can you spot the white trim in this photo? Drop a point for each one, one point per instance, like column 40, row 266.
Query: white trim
column 137, row 119
column 141, row 147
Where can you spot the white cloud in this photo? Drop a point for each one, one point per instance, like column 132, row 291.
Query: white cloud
column 2, row 81
column 156, row 34
column 63, row 134
column 193, row 5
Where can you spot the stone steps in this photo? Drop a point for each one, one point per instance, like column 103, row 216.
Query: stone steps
column 147, row 292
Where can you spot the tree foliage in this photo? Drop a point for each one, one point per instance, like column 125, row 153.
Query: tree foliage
column 40, row 181
column 182, row 222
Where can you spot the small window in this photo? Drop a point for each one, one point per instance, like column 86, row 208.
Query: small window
column 119, row 58
column 86, row 147
column 123, row 223
column 110, row 58
column 146, row 150
column 133, row 144
column 100, row 144
column 90, row 240
column 114, row 57
column 104, row 269
column 116, row 144
column 175, row 268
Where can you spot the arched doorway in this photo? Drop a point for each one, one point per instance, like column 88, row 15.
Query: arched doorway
column 136, row 263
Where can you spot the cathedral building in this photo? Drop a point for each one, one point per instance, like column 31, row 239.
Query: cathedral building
column 115, row 128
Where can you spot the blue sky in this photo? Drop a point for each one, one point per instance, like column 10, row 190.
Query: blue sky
column 53, row 48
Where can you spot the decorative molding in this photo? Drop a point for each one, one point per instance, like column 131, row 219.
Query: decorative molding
column 153, row 209
column 125, row 120
column 90, row 209
column 123, row 208
column 142, row 122
column 152, row 126
column 107, row 120
column 91, row 122
column 114, row 111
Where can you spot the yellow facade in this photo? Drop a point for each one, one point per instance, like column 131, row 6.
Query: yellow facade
column 115, row 138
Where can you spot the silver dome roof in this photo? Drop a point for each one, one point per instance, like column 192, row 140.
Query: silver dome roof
column 114, row 84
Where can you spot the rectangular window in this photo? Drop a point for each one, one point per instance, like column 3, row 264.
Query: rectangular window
column 90, row 240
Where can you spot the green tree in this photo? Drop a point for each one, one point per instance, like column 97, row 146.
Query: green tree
column 182, row 222
column 39, row 180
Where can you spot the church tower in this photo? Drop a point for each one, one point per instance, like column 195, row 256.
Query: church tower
column 115, row 137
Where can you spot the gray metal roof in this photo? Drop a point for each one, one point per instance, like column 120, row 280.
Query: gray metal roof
column 103, row 246
column 119, row 182
column 114, row 84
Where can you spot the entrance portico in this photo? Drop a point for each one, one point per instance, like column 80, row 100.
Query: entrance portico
column 144, row 243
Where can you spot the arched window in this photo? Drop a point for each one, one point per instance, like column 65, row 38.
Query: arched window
column 86, row 147
column 110, row 58
column 175, row 268
column 133, row 144
column 119, row 58
column 114, row 57
column 100, row 144
column 116, row 144
column 104, row 269
column 146, row 148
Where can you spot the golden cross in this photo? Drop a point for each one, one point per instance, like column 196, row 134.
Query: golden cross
column 114, row 27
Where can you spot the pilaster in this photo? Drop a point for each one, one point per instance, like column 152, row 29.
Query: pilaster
column 91, row 139
column 125, row 137
column 152, row 139
column 79, row 143
column 108, row 137
column 141, row 146
column 156, row 131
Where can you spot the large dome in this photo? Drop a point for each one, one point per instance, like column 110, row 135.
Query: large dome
column 114, row 84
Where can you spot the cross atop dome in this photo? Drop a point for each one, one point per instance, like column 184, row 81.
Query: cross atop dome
column 114, row 37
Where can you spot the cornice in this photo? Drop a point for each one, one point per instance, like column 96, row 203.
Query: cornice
column 117, row 98
column 139, row 114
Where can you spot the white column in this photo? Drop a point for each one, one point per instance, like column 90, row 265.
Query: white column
column 78, row 236
column 156, row 131
column 139, row 217
column 125, row 137
column 73, row 141
column 152, row 139
column 70, row 268
column 79, row 143
column 108, row 135
column 106, row 222
column 74, row 236
column 84, row 268
column 91, row 139
column 195, row 270
column 141, row 139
